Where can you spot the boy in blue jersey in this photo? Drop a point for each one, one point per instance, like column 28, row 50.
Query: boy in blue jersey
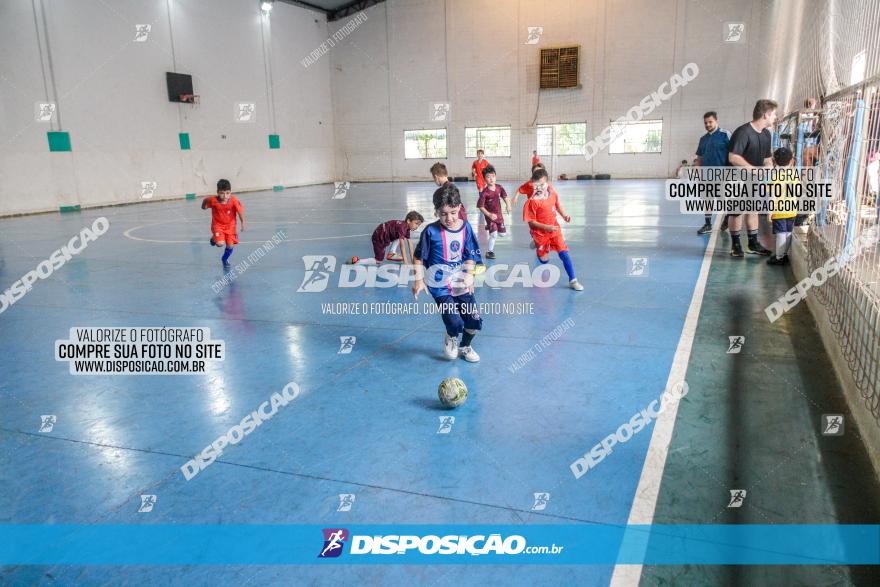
column 445, row 258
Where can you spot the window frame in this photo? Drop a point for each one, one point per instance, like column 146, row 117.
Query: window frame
column 487, row 155
column 645, row 121
column 554, row 151
column 427, row 155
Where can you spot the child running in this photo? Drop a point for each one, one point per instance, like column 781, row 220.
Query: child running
column 448, row 247
column 224, row 207
column 477, row 169
column 390, row 233
column 540, row 214
column 490, row 205
column 526, row 189
column 441, row 178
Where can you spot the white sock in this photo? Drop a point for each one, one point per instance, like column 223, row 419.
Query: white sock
column 781, row 244
column 492, row 237
column 787, row 241
column 394, row 246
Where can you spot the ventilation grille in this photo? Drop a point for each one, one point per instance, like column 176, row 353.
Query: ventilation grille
column 559, row 67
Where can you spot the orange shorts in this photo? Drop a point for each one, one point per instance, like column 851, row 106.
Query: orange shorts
column 225, row 234
column 548, row 241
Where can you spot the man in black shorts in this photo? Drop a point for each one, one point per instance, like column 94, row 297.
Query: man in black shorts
column 750, row 147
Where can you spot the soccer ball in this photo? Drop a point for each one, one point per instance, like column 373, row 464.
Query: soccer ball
column 452, row 392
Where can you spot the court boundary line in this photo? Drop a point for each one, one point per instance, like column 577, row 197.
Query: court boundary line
column 644, row 502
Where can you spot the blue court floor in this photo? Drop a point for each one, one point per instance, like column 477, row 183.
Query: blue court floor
column 366, row 422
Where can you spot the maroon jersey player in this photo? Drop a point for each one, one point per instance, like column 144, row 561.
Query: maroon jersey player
column 391, row 233
column 490, row 205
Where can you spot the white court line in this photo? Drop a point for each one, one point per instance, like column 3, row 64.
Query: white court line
column 645, row 500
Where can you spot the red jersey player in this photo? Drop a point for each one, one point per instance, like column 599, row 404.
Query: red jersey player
column 540, row 214
column 526, row 189
column 224, row 207
column 535, row 158
column 477, row 170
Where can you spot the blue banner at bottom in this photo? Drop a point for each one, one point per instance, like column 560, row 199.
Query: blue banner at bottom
column 440, row 544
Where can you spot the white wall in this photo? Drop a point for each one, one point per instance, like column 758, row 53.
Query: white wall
column 471, row 53
column 112, row 99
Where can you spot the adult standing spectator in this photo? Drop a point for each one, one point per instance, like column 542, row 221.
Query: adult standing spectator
column 750, row 146
column 712, row 152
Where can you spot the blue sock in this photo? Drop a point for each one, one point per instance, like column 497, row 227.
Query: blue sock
column 226, row 254
column 566, row 262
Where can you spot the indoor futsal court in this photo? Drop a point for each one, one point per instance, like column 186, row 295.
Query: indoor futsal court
column 409, row 292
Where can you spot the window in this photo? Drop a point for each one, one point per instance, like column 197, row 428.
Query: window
column 857, row 68
column 494, row 140
column 425, row 144
column 562, row 139
column 644, row 136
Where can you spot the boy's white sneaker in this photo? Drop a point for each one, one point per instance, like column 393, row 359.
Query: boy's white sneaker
column 450, row 347
column 469, row 354
column 573, row 284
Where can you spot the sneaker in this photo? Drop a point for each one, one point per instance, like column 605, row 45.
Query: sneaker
column 354, row 260
column 774, row 260
column 213, row 244
column 490, row 255
column 736, row 251
column 573, row 284
column 724, row 224
column 786, row 260
column 757, row 249
column 394, row 257
column 469, row 354
column 705, row 228
column 450, row 347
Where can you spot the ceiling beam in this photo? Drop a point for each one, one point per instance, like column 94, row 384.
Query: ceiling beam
column 323, row 11
column 351, row 8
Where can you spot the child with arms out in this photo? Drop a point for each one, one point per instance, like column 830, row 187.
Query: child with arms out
column 539, row 213
column 445, row 261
